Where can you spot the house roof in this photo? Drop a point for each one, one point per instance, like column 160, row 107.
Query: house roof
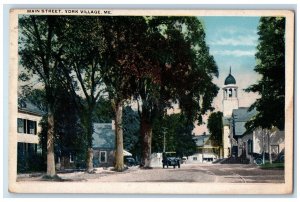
column 28, row 107
column 200, row 140
column 103, row 136
column 241, row 116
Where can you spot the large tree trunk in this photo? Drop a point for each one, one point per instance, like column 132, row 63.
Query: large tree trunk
column 146, row 133
column 119, row 161
column 50, row 144
column 90, row 156
column 89, row 161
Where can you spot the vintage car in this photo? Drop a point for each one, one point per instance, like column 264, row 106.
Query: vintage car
column 171, row 161
column 129, row 161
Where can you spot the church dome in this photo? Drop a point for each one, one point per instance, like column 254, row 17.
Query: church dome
column 229, row 79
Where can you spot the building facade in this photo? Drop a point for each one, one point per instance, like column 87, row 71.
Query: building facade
column 29, row 150
column 103, row 144
column 250, row 143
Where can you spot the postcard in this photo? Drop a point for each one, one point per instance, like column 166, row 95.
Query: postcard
column 151, row 101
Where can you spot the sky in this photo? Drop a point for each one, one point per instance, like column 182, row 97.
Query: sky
column 232, row 41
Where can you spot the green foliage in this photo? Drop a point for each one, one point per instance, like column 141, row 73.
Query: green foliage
column 178, row 135
column 271, row 66
column 131, row 131
column 70, row 137
column 215, row 127
column 272, row 166
column 103, row 112
column 39, row 51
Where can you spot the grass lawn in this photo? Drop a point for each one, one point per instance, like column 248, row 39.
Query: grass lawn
column 272, row 166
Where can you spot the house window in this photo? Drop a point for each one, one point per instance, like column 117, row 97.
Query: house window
column 71, row 158
column 21, row 125
column 103, row 157
column 27, row 149
column 31, row 127
column 194, row 158
column 26, row 126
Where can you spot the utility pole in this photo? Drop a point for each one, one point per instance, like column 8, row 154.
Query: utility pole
column 164, row 143
column 263, row 144
column 269, row 147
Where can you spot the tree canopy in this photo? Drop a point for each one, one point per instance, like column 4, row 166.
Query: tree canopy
column 270, row 65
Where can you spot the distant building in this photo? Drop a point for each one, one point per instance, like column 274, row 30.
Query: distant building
column 28, row 128
column 205, row 151
column 104, row 145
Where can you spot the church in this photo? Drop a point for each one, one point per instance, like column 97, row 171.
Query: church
column 238, row 142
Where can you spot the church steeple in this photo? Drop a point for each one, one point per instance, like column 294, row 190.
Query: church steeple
column 229, row 79
column 230, row 95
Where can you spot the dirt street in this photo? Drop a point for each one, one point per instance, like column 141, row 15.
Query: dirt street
column 203, row 173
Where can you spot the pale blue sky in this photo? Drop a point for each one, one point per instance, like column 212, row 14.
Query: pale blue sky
column 232, row 41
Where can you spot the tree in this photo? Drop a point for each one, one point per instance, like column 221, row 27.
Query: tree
column 181, row 70
column 270, row 65
column 215, row 127
column 38, row 50
column 123, row 56
column 82, row 40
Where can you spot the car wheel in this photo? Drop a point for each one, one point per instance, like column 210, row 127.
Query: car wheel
column 258, row 161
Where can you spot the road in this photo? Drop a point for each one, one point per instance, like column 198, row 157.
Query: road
column 203, row 173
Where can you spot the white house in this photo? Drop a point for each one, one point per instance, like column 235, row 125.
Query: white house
column 28, row 128
column 205, row 151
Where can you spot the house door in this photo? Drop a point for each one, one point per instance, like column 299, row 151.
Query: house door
column 234, row 151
